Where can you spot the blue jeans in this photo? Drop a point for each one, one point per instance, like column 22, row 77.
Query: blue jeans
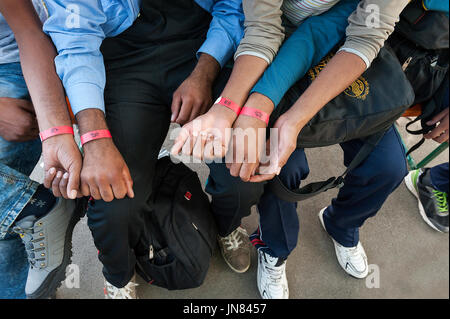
column 366, row 189
column 17, row 161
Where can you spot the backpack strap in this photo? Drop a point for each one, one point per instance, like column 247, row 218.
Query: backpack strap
column 277, row 187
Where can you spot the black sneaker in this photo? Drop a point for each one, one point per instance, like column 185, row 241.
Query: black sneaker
column 433, row 204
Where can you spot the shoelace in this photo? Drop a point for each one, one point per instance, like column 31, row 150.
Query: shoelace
column 120, row 293
column 232, row 241
column 442, row 201
column 352, row 252
column 30, row 236
column 275, row 274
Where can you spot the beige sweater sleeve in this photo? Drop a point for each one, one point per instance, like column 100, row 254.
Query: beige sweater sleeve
column 370, row 25
column 263, row 30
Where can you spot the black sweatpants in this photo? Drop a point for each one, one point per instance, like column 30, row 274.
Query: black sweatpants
column 144, row 66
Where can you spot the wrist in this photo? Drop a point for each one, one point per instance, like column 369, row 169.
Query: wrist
column 294, row 118
column 224, row 112
column 91, row 120
column 260, row 102
column 58, row 139
column 56, row 131
column 207, row 69
column 98, row 145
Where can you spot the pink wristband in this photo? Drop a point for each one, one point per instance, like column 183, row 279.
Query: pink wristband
column 263, row 116
column 54, row 131
column 94, row 135
column 229, row 104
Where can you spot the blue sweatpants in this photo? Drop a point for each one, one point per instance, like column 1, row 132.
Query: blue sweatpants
column 366, row 189
column 439, row 177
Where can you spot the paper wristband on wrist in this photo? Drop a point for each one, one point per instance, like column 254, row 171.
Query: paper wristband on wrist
column 248, row 111
column 229, row 104
column 54, row 131
column 94, row 135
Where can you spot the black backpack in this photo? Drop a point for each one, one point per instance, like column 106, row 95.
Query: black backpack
column 180, row 232
column 365, row 110
column 421, row 44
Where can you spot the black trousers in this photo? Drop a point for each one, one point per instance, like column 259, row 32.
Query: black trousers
column 144, row 66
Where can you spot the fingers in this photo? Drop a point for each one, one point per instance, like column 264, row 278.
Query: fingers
column 442, row 138
column 438, row 117
column 436, row 132
column 188, row 146
column 176, row 105
column 55, row 184
column 128, row 182
column 85, row 189
column 212, row 149
column 261, row 178
column 106, row 191
column 48, row 177
column 63, row 185
column 199, row 146
column 196, row 111
column 246, row 171
column 94, row 191
column 181, row 140
column 73, row 184
column 185, row 111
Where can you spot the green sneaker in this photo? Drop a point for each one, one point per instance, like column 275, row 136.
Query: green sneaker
column 433, row 204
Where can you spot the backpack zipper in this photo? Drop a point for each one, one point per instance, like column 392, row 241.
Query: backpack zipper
column 406, row 63
column 151, row 253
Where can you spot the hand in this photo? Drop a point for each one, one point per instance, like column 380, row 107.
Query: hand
column 192, row 98
column 62, row 166
column 288, row 130
column 247, row 152
column 104, row 174
column 17, row 121
column 249, row 138
column 208, row 136
column 440, row 132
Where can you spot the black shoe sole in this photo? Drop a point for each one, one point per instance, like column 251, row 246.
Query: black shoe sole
column 54, row 280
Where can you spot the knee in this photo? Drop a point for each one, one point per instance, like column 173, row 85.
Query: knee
column 108, row 223
column 295, row 170
column 395, row 170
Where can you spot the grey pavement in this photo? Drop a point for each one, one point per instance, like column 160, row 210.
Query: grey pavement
column 413, row 259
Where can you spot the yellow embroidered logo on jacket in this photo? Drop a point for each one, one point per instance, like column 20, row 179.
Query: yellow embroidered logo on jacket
column 358, row 89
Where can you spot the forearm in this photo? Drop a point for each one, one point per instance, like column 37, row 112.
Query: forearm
column 312, row 40
column 207, row 67
column 342, row 70
column 246, row 72
column 91, row 120
column 37, row 60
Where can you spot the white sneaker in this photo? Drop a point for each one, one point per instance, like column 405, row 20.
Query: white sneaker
column 127, row 292
column 272, row 281
column 352, row 259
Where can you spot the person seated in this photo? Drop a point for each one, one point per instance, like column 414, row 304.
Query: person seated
column 259, row 88
column 130, row 68
column 35, row 226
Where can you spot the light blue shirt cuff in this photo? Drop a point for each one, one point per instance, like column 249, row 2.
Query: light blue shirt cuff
column 84, row 96
column 220, row 47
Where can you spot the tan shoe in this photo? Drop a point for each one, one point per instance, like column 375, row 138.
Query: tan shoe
column 127, row 292
column 235, row 249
